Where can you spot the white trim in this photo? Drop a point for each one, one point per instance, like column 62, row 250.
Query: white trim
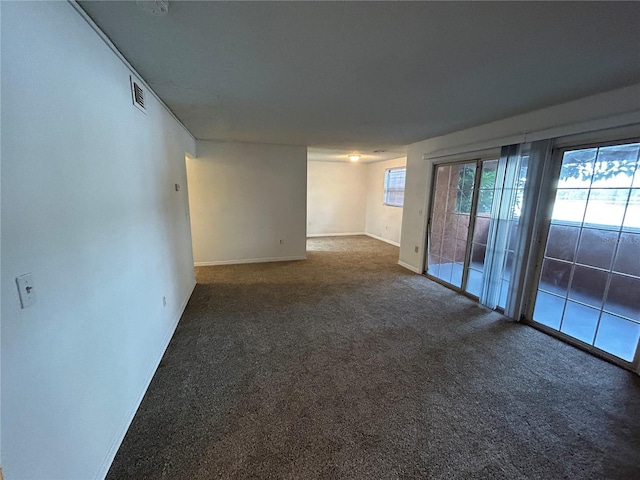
column 119, row 437
column 346, row 234
column 630, row 132
column 484, row 154
column 249, row 260
column 614, row 121
column 117, row 53
column 409, row 267
column 386, row 240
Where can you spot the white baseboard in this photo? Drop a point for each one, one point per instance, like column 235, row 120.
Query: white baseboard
column 409, row 267
column 347, row 234
column 118, row 439
column 249, row 260
column 386, row 240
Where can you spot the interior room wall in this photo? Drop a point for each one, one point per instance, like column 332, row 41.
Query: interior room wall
column 382, row 221
column 89, row 208
column 336, row 198
column 248, row 202
column 610, row 109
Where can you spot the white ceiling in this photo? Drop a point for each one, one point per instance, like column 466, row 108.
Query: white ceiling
column 370, row 75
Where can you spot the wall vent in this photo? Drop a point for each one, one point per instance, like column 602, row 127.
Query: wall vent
column 138, row 94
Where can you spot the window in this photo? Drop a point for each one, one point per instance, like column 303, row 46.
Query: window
column 394, row 186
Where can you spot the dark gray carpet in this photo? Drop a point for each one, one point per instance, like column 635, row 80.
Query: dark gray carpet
column 347, row 366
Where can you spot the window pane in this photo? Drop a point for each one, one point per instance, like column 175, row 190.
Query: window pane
column 548, row 310
column 477, row 256
column 481, row 230
column 623, row 297
column 456, row 274
column 628, row 254
column 615, row 166
column 464, row 192
column 632, row 215
column 555, row 276
column 488, row 177
column 394, row 186
column 570, row 205
column 434, row 266
column 587, row 285
column 606, row 207
column 445, row 271
column 450, row 224
column 577, row 168
column 596, row 247
column 437, row 223
column 435, row 245
column 448, row 248
column 580, row 322
column 562, row 241
column 618, row 336
column 462, row 230
column 474, row 282
column 485, row 200
column 461, row 248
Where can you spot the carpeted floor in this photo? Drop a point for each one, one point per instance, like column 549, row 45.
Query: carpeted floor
column 347, row 366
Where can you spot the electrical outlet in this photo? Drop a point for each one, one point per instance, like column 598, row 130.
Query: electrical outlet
column 177, row 185
column 416, row 249
column 281, row 241
column 25, row 290
column 164, row 301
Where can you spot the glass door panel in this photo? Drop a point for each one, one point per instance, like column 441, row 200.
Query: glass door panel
column 482, row 219
column 450, row 217
column 589, row 286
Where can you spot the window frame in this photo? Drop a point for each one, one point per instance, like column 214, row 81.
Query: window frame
column 387, row 190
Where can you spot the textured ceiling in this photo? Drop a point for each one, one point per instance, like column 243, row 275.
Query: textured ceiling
column 369, row 75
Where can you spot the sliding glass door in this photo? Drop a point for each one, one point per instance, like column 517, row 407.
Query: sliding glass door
column 482, row 218
column 473, row 224
column 572, row 266
column 450, row 218
column 589, row 279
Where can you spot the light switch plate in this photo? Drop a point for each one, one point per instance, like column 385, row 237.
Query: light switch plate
column 25, row 290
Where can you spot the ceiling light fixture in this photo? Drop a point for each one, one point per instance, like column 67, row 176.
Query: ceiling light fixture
column 354, row 157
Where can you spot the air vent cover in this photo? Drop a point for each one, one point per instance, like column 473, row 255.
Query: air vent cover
column 138, row 94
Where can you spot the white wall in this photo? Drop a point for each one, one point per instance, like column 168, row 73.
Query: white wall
column 610, row 109
column 382, row 221
column 244, row 199
column 89, row 208
column 336, row 198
